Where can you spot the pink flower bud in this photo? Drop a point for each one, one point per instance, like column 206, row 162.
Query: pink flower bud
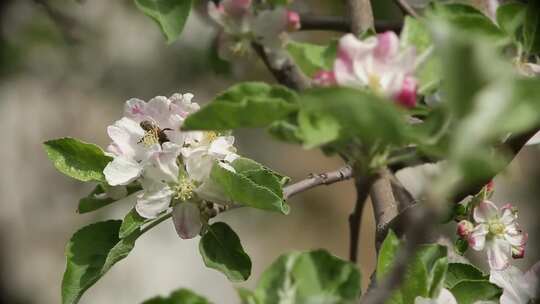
column 407, row 96
column 518, row 252
column 325, row 78
column 293, row 21
column 464, row 229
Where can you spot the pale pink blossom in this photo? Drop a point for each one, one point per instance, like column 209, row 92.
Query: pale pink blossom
column 498, row 232
column 377, row 63
column 325, row 78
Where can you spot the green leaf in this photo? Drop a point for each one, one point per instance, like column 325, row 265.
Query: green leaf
column 221, row 249
column 416, row 34
column 244, row 165
column 246, row 105
column 468, row 292
column 132, row 222
column 170, row 15
column 90, row 253
column 180, row 296
column 531, row 28
column 458, row 272
column 312, row 58
column 510, row 18
column 340, row 114
column 309, row 277
column 387, row 252
column 257, row 188
column 77, row 159
column 469, row 19
column 425, row 275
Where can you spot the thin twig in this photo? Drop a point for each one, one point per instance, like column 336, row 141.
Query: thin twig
column 362, row 184
column 361, row 16
column 406, row 8
column 342, row 24
column 287, row 73
column 315, row 180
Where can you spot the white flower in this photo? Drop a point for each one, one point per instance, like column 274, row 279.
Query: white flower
column 241, row 24
column 376, row 63
column 445, row 297
column 140, row 134
column 518, row 288
column 498, row 232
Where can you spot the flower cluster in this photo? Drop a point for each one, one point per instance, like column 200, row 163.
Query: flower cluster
column 377, row 63
column 495, row 230
column 172, row 167
column 242, row 22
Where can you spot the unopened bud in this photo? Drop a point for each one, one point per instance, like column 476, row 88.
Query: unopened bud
column 325, row 78
column 407, row 96
column 293, row 21
column 464, row 228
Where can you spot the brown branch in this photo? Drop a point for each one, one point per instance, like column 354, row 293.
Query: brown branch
column 362, row 184
column 315, row 180
column 406, row 8
column 361, row 16
column 341, row 24
column 385, row 205
column 287, row 74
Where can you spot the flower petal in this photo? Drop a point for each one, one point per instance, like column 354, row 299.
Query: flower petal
column 485, row 211
column 515, row 236
column 477, row 238
column 122, row 171
column 532, row 281
column 154, row 200
column 498, row 252
column 350, row 52
column 125, row 134
column 187, row 220
column 387, row 46
column 510, row 280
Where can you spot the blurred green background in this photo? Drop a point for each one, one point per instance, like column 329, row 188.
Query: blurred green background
column 66, row 67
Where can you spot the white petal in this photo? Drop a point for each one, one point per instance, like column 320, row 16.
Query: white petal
column 498, row 252
column 163, row 165
column 510, row 280
column 445, row 297
column 158, row 109
column 515, row 236
column 135, row 109
column 221, row 147
column 198, row 166
column 477, row 238
column 532, row 281
column 485, row 211
column 187, row 220
column 152, row 203
column 122, row 171
column 126, row 133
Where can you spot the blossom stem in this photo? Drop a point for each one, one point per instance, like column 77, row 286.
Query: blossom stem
column 156, row 222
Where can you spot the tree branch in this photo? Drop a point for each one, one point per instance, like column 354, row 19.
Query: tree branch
column 363, row 184
column 406, row 8
column 287, row 73
column 315, row 180
column 361, row 16
column 385, row 205
column 341, row 24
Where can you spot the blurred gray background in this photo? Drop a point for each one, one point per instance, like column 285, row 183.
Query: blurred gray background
column 66, row 69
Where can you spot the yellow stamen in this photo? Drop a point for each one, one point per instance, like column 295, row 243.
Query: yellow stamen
column 184, row 189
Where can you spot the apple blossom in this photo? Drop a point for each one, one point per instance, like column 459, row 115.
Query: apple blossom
column 497, row 231
column 518, row 288
column 242, row 22
column 376, row 63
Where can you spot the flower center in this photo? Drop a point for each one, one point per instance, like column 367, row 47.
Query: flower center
column 184, row 189
column 211, row 136
column 496, row 227
column 150, row 138
column 374, row 82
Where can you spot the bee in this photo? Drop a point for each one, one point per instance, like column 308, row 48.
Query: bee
column 153, row 134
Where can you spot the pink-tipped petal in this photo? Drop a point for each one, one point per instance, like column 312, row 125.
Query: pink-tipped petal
column 325, row 78
column 187, row 220
column 293, row 21
column 477, row 238
column 485, row 211
column 387, row 46
column 407, row 96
